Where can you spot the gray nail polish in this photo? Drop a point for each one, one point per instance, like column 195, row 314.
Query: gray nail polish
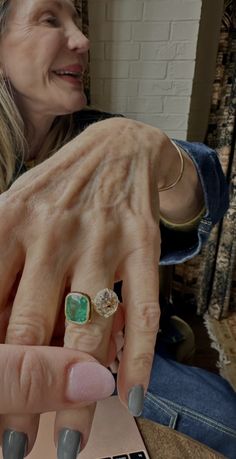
column 136, row 400
column 14, row 445
column 69, row 442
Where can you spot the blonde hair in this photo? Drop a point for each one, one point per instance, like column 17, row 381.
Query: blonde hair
column 13, row 145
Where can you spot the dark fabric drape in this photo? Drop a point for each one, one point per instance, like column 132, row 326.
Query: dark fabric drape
column 82, row 7
column 210, row 279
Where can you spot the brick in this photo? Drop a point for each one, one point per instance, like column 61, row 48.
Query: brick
column 186, row 50
column 106, row 69
column 122, row 51
column 165, row 87
column 184, row 31
column 182, row 88
column 176, row 104
column 148, row 70
column 120, row 88
column 110, row 31
column 181, row 69
column 172, row 9
column 151, row 31
column 155, row 87
column 97, row 51
column 165, row 122
column 147, row 104
column 168, row 51
column 123, row 10
column 158, row 51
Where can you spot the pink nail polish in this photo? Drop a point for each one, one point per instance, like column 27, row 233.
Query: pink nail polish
column 89, row 382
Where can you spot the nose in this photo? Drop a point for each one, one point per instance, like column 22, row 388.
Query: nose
column 77, row 41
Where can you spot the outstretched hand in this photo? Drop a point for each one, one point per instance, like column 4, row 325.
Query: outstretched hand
column 80, row 221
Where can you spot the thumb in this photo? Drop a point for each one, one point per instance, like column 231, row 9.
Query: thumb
column 40, row 379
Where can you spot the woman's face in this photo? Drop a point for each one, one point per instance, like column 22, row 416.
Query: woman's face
column 43, row 54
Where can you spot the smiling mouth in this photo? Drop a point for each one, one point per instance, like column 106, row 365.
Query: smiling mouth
column 69, row 75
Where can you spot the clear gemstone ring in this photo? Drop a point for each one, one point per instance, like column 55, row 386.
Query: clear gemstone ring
column 106, row 302
column 79, row 306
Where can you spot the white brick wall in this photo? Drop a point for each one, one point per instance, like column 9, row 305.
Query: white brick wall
column 143, row 59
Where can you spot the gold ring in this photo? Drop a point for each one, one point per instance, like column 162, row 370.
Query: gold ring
column 79, row 306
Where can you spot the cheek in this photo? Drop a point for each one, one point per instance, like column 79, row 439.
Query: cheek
column 48, row 48
column 36, row 53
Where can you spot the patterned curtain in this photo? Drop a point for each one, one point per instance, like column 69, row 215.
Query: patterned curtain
column 210, row 279
column 82, row 7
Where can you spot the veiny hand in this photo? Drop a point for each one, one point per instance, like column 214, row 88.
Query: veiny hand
column 39, row 379
column 81, row 220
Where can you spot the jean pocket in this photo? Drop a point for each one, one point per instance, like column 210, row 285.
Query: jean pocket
column 158, row 410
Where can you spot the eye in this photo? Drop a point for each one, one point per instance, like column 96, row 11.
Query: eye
column 51, row 20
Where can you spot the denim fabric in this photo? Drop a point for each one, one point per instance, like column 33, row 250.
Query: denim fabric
column 193, row 401
column 178, row 246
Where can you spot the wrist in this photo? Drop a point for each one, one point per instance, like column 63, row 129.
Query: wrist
column 179, row 174
column 183, row 202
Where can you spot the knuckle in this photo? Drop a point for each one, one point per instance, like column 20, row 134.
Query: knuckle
column 143, row 362
column 147, row 234
column 147, row 317
column 89, row 339
column 26, row 331
column 33, row 377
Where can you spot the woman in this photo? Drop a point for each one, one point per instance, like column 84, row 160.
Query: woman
column 89, row 215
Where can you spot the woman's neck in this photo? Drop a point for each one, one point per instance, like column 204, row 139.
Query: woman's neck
column 36, row 137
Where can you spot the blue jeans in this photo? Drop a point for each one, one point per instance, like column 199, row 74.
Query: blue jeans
column 193, row 401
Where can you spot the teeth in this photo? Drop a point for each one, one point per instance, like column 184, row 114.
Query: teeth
column 64, row 72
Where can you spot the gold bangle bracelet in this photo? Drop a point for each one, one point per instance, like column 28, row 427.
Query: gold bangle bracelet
column 168, row 187
column 185, row 226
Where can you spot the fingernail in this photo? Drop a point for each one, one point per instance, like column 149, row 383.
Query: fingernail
column 136, row 400
column 89, row 382
column 68, row 444
column 14, row 445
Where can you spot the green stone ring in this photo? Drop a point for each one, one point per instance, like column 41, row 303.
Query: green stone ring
column 78, row 308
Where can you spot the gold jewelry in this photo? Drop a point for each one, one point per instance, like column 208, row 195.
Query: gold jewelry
column 181, row 156
column 185, row 226
column 79, row 306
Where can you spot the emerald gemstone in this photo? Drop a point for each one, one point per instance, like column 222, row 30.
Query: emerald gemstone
column 77, row 308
